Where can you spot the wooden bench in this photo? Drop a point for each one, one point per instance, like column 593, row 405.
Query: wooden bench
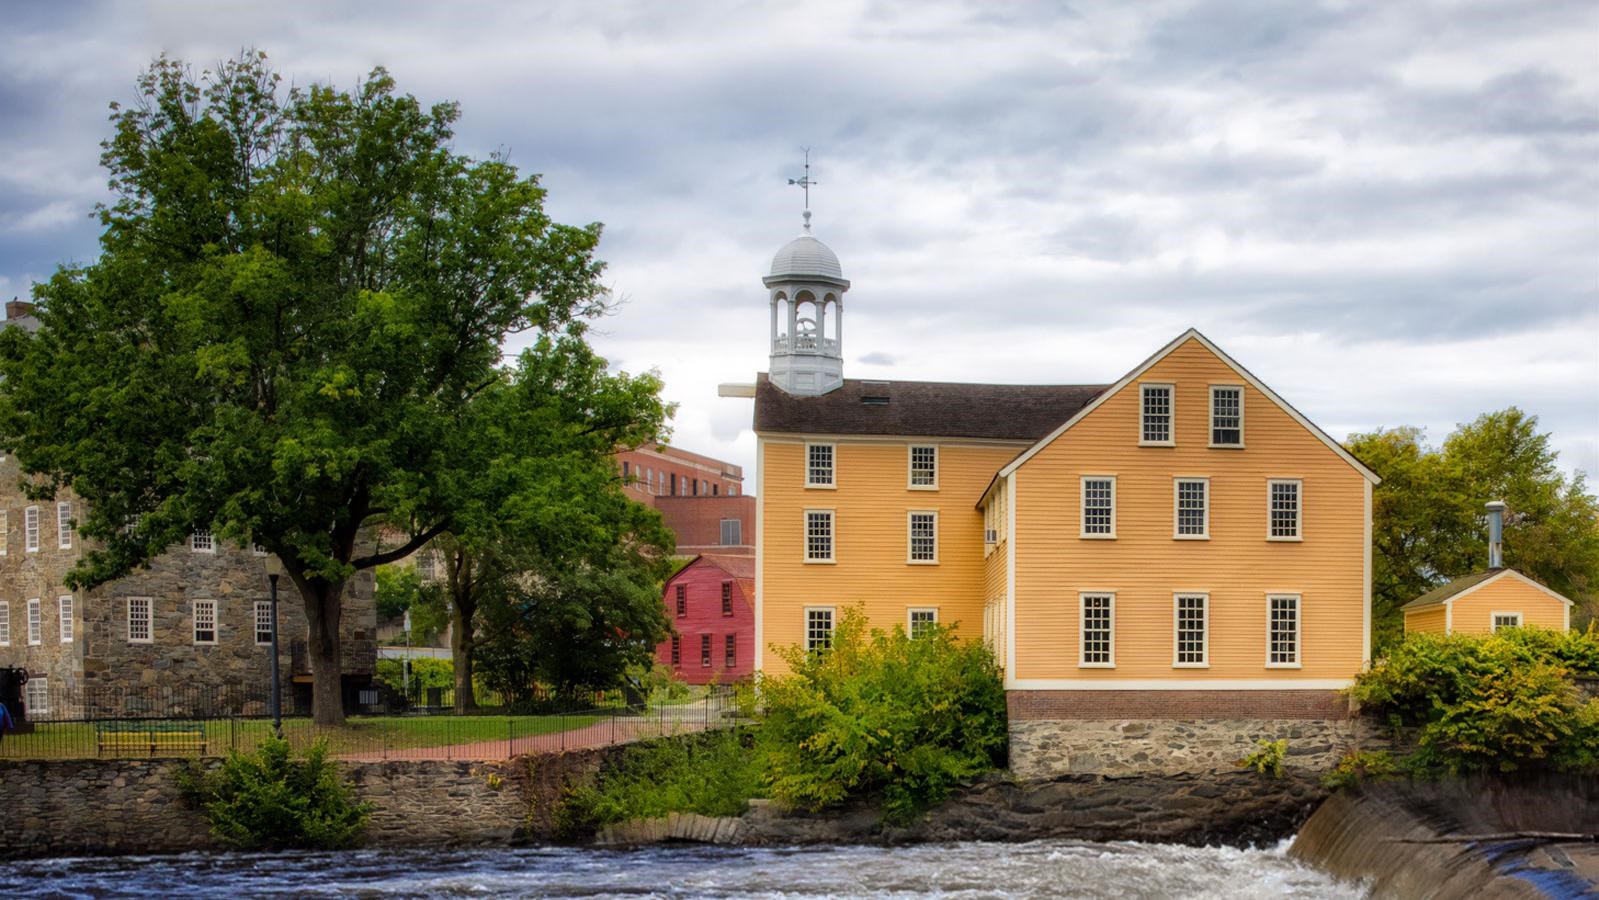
column 152, row 738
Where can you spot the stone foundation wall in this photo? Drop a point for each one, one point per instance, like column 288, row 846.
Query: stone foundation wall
column 1048, row 748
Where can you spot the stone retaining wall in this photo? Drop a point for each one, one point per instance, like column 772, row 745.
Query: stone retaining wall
column 1047, row 748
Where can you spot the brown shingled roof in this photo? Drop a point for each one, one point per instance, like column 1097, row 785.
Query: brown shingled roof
column 1017, row 412
column 1443, row 592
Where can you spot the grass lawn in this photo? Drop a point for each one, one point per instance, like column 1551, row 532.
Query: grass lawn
column 363, row 734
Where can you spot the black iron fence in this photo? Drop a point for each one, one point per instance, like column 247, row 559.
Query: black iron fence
column 199, row 722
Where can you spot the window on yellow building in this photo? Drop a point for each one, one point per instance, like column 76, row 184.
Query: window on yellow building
column 1156, row 407
column 923, row 529
column 818, row 627
column 1192, row 638
column 1193, row 508
column 1282, row 631
column 924, row 468
column 1099, row 506
column 1098, row 629
column 921, row 620
column 1226, row 415
column 1283, row 509
column 1506, row 620
column 819, row 465
column 818, row 535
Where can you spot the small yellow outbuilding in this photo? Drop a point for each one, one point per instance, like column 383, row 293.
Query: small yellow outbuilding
column 1485, row 602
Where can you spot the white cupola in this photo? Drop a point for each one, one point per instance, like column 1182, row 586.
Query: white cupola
column 806, row 288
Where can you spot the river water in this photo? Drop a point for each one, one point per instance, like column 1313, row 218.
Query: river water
column 965, row 870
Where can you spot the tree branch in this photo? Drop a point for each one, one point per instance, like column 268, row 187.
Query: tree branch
column 402, row 551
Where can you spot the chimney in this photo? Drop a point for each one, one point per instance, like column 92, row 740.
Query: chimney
column 1496, row 534
column 16, row 309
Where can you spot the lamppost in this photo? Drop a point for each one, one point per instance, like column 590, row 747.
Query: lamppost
column 274, row 568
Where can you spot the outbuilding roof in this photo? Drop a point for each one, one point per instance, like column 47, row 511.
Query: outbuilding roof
column 1466, row 583
column 1015, row 412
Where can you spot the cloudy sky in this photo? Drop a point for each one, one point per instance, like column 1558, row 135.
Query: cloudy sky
column 1389, row 211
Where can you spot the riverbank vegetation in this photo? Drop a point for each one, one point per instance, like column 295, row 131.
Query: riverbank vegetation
column 271, row 799
column 878, row 716
column 1506, row 702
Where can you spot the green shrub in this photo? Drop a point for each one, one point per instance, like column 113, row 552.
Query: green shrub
column 714, row 774
column 1268, row 760
column 1360, row 765
column 1502, row 702
column 426, row 672
column 881, row 714
column 269, row 800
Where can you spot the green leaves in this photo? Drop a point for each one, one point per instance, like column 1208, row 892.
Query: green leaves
column 269, row 800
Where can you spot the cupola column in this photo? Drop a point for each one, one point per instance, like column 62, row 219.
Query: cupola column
column 805, row 267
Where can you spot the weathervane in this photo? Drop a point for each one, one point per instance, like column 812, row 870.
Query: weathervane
column 805, row 182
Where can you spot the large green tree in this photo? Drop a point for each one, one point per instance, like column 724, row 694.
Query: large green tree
column 289, row 335
column 1428, row 520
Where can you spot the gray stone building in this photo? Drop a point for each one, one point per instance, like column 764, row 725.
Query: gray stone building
column 189, row 634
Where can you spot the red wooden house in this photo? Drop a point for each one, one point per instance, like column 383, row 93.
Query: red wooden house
column 711, row 602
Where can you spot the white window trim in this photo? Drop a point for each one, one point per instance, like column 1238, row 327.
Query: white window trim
column 1174, row 631
column 194, row 621
column 194, row 548
column 149, row 637
column 5, row 531
column 30, row 530
column 39, row 684
column 1082, row 508
column 805, row 625
column 1171, row 414
column 1299, row 510
column 66, row 609
column 910, row 611
column 910, row 471
column 1299, row 629
column 1210, row 434
column 908, row 519
column 805, row 538
column 1082, row 630
column 35, row 612
column 1493, row 617
column 5, row 619
column 64, row 528
column 255, row 626
column 1176, row 511
column 811, row 485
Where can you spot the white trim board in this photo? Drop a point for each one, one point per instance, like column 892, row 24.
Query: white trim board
column 1177, row 684
column 1257, row 384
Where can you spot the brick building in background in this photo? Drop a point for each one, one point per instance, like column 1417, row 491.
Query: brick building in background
column 701, row 499
column 711, row 602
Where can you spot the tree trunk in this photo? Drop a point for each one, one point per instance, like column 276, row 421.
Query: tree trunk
column 461, row 647
column 323, row 611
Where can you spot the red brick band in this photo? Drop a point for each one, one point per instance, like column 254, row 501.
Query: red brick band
column 1317, row 704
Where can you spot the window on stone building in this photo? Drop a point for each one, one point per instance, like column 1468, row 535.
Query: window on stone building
column 35, row 623
column 205, row 621
column 36, row 693
column 921, row 620
column 427, row 565
column 64, row 614
column 818, row 535
column 1226, row 416
column 818, row 627
column 732, row 532
column 1192, row 508
column 1098, row 629
column 924, row 467
column 202, row 541
column 1157, row 414
column 5, row 531
column 139, row 626
column 30, row 529
column 682, row 599
column 64, row 525
column 263, row 621
column 1192, row 618
column 1283, row 510
column 1282, row 624
column 1099, row 506
column 705, row 651
column 677, row 650
column 923, row 527
column 727, row 598
column 5, row 623
column 819, row 465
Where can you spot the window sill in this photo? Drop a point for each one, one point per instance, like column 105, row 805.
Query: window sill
column 1225, row 446
column 821, row 487
column 921, row 487
column 1096, row 537
column 1286, row 540
column 1157, row 443
column 1190, row 537
column 1190, row 665
column 1109, row 665
column 921, row 562
column 820, row 562
column 1285, row 665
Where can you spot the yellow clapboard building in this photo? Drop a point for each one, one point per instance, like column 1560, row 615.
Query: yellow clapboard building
column 1180, row 540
